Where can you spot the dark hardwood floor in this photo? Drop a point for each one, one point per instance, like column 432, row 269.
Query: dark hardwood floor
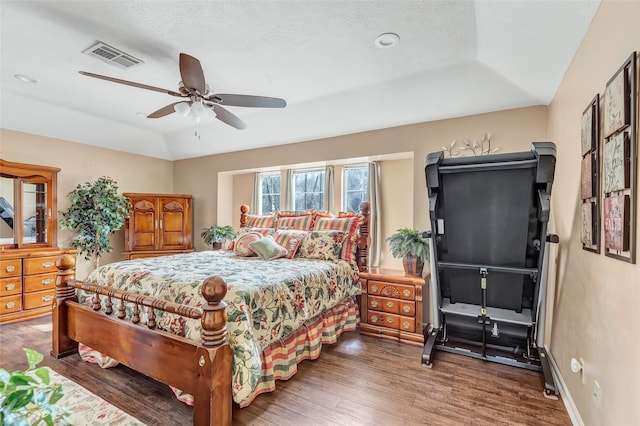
column 358, row 381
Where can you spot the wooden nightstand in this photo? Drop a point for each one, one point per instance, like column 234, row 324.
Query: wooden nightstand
column 391, row 305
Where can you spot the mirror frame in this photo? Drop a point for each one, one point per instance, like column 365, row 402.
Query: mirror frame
column 29, row 173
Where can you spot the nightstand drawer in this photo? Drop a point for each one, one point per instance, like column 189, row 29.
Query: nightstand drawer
column 10, row 304
column 10, row 268
column 407, row 324
column 39, row 282
column 401, row 291
column 392, row 306
column 383, row 319
column 38, row 265
column 9, row 286
column 39, row 299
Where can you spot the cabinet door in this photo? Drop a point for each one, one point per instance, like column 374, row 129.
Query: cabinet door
column 141, row 230
column 175, row 223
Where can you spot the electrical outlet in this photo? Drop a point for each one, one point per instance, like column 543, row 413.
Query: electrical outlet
column 596, row 394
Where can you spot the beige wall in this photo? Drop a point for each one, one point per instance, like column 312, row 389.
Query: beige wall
column 597, row 299
column 80, row 163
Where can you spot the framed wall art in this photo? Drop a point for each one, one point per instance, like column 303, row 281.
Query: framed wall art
column 589, row 176
column 619, row 161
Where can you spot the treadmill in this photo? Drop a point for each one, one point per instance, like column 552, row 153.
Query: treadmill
column 488, row 235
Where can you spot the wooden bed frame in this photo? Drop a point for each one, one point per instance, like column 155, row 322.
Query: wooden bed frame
column 203, row 370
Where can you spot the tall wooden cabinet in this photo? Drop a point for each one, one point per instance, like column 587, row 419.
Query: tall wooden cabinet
column 28, row 240
column 158, row 225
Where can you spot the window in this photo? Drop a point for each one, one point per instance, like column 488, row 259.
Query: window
column 269, row 193
column 354, row 185
column 308, row 190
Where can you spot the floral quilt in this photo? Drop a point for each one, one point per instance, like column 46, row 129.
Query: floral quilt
column 267, row 300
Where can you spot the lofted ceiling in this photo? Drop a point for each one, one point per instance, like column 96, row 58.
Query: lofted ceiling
column 454, row 58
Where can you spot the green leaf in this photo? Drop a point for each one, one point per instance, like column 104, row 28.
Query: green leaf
column 43, row 373
column 56, row 394
column 33, row 357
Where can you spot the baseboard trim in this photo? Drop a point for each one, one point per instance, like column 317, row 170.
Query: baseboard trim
column 572, row 410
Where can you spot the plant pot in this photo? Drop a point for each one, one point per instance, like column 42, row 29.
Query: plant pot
column 216, row 246
column 413, row 265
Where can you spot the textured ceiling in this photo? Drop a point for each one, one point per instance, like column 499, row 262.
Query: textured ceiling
column 454, row 58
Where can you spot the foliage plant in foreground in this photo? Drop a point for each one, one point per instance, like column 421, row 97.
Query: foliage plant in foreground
column 27, row 398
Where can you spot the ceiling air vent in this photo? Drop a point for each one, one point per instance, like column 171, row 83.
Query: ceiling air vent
column 112, row 56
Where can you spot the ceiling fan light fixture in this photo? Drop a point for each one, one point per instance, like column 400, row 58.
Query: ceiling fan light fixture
column 387, row 40
column 182, row 108
column 198, row 109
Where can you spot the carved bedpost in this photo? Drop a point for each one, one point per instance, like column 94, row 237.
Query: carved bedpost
column 62, row 345
column 213, row 399
column 362, row 255
column 244, row 210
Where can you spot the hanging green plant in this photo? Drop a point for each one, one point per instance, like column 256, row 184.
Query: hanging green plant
column 96, row 211
column 28, row 398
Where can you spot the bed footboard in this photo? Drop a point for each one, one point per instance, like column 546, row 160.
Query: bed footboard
column 203, row 370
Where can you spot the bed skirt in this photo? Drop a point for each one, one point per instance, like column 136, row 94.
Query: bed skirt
column 280, row 359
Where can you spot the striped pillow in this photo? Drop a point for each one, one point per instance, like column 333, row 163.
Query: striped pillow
column 350, row 226
column 290, row 239
column 301, row 223
column 255, row 221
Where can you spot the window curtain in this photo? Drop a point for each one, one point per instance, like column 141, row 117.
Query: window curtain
column 328, row 189
column 375, row 224
column 255, row 196
column 288, row 191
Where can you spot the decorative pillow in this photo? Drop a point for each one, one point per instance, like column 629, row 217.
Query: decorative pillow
column 268, row 249
column 255, row 221
column 290, row 239
column 350, row 226
column 301, row 223
column 317, row 214
column 242, row 246
column 262, row 231
column 324, row 245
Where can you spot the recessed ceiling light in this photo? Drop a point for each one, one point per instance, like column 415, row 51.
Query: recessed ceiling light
column 387, row 40
column 25, row 78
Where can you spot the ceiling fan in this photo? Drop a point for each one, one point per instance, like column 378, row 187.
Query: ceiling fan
column 198, row 97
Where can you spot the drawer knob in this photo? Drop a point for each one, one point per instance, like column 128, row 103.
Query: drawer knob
column 374, row 318
column 389, row 304
column 10, row 268
column 47, row 264
column 10, row 286
column 374, row 288
column 47, row 298
column 374, row 304
column 47, row 281
column 406, row 325
column 406, row 293
column 406, row 309
column 10, row 305
column 389, row 320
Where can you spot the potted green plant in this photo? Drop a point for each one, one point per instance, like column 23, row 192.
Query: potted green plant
column 216, row 235
column 409, row 245
column 28, row 398
column 96, row 211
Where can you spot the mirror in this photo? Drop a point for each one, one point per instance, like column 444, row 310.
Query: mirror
column 6, row 210
column 27, row 205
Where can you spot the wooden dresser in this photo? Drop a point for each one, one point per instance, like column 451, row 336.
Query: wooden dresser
column 391, row 305
column 158, row 225
column 27, row 283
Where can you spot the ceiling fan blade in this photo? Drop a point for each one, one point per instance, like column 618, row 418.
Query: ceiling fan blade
column 131, row 83
column 227, row 117
column 191, row 73
column 250, row 101
column 165, row 110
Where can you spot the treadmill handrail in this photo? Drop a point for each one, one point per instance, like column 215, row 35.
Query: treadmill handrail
column 489, row 268
column 508, row 165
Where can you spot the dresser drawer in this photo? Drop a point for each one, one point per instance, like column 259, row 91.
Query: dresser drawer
column 392, row 306
column 39, row 282
column 9, row 286
column 407, row 324
column 39, row 265
column 10, row 268
column 39, row 299
column 400, row 291
column 383, row 319
column 10, row 304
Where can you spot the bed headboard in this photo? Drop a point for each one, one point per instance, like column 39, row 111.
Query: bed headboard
column 362, row 251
